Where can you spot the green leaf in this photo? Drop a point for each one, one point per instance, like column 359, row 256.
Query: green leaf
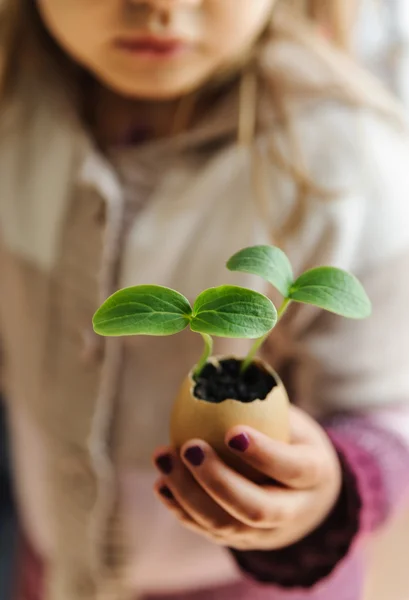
column 233, row 312
column 334, row 290
column 268, row 262
column 143, row 310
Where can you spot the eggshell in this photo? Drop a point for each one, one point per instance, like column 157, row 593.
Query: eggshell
column 194, row 418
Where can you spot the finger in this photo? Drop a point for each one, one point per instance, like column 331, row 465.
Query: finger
column 165, row 495
column 255, row 506
column 193, row 499
column 298, row 466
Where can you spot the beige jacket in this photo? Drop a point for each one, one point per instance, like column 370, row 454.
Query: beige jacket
column 86, row 413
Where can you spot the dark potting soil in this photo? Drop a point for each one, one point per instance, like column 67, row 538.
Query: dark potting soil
column 222, row 382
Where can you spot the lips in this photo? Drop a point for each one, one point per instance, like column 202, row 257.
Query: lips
column 152, row 46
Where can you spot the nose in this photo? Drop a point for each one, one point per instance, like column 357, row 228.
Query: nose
column 163, row 9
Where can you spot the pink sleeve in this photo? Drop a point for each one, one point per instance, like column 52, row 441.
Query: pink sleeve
column 378, row 455
column 326, row 564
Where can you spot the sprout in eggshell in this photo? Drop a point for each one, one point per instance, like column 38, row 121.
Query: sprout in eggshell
column 222, row 392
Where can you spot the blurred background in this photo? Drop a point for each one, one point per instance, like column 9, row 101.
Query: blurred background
column 377, row 32
column 381, row 40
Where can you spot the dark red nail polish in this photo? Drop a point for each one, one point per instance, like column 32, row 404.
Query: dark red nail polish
column 240, row 442
column 166, row 493
column 195, row 456
column 164, row 463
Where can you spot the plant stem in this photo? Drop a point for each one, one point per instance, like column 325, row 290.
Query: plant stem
column 260, row 341
column 208, row 342
column 253, row 351
column 286, row 303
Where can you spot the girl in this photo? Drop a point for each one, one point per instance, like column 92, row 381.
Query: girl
column 146, row 141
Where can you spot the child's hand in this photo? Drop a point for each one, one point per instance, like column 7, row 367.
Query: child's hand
column 225, row 507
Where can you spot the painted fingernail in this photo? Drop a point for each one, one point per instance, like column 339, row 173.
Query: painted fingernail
column 240, row 442
column 164, row 464
column 166, row 493
column 195, row 456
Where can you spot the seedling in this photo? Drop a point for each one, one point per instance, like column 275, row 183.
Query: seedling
column 226, row 311
column 218, row 395
column 231, row 311
column 329, row 288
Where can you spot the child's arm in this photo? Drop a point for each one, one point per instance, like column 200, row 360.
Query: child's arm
column 362, row 377
column 375, row 467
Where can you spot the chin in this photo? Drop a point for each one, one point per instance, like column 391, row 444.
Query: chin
column 155, row 90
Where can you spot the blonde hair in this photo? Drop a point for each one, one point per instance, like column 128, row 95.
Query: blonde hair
column 320, row 29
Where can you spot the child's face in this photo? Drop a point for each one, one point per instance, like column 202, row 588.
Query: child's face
column 154, row 48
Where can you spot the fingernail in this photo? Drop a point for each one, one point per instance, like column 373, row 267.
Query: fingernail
column 240, row 442
column 164, row 464
column 195, row 456
column 166, row 493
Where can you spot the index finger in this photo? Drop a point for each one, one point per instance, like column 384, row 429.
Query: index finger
column 298, row 466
